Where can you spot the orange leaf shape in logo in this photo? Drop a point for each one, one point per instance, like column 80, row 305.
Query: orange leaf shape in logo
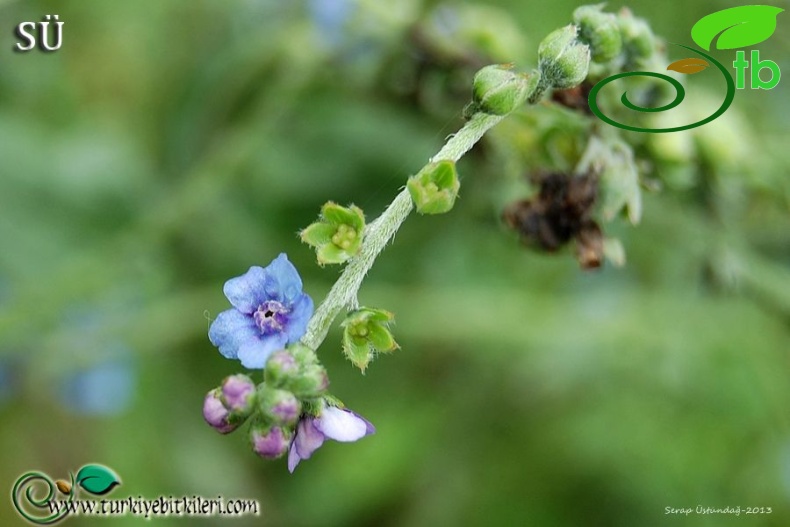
column 688, row 66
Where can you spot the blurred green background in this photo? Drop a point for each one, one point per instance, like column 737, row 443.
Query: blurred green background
column 169, row 145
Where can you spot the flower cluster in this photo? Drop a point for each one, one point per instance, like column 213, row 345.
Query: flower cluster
column 271, row 325
column 291, row 410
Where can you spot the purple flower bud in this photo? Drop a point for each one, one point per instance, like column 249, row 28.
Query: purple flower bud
column 238, row 394
column 215, row 413
column 271, row 443
column 281, row 406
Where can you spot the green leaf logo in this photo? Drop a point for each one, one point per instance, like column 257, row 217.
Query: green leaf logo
column 97, row 479
column 738, row 26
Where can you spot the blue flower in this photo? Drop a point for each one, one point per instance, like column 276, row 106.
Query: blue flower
column 103, row 389
column 269, row 311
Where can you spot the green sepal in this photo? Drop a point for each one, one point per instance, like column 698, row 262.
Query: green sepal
column 357, row 350
column 337, row 235
column 381, row 339
column 365, row 333
column 318, row 234
column 331, row 254
column 435, row 187
column 339, row 215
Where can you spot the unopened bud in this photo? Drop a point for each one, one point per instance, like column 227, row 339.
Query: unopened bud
column 311, row 382
column 270, row 443
column 215, row 413
column 280, row 367
column 638, row 40
column 238, row 394
column 498, row 90
column 599, row 30
column 563, row 60
column 280, row 406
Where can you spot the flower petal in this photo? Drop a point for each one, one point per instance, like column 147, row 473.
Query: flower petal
column 343, row 425
column 248, row 291
column 282, row 280
column 293, row 458
column 299, row 317
column 255, row 352
column 308, row 438
column 232, row 330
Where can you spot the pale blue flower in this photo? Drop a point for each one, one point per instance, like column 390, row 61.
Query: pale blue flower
column 333, row 423
column 269, row 311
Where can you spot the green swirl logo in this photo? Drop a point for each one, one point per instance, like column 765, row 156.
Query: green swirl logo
column 29, row 487
column 34, row 492
column 735, row 27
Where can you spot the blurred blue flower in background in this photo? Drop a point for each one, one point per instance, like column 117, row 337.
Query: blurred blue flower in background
column 330, row 18
column 103, row 388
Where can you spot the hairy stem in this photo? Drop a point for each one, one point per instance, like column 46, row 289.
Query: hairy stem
column 343, row 294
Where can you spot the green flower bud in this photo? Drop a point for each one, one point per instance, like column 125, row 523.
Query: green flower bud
column 563, row 61
column 434, row 188
column 599, row 30
column 498, row 90
column 304, row 356
column 312, row 382
column 337, row 236
column 280, row 367
column 296, row 370
column 280, row 407
column 365, row 333
column 639, row 43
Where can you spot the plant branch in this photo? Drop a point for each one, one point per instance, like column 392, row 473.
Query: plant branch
column 343, row 294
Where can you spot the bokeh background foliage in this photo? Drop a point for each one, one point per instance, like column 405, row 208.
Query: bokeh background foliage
column 170, row 145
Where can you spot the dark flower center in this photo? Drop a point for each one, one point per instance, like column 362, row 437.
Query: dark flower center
column 271, row 316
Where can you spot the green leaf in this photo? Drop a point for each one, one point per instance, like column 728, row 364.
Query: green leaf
column 97, row 479
column 739, row 27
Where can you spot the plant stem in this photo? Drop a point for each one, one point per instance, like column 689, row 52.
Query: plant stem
column 343, row 294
